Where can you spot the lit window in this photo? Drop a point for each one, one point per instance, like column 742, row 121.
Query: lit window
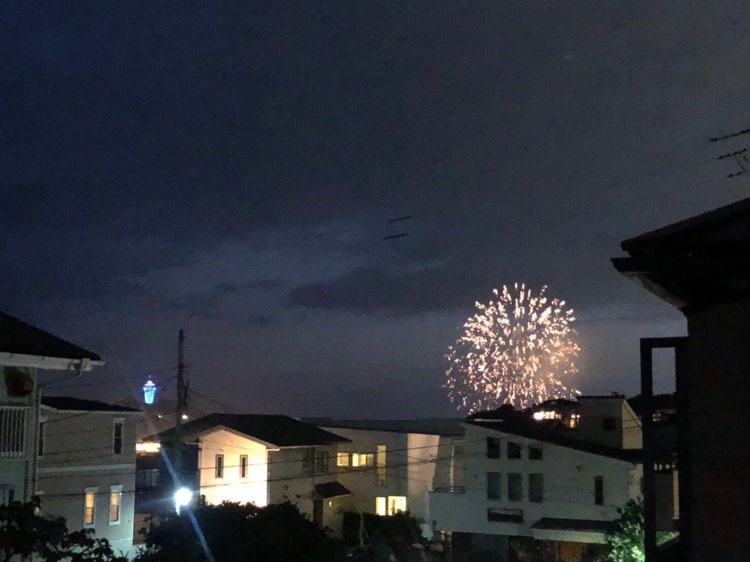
column 117, row 437
column 493, row 485
column 396, row 504
column 89, row 507
column 493, row 448
column 115, row 503
column 575, row 420
column 381, row 506
column 219, row 466
column 515, row 487
column 536, row 488
column 362, row 459
column 243, row 466
column 342, row 459
column 380, row 462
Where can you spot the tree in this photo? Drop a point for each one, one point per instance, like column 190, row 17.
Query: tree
column 231, row 531
column 24, row 532
column 626, row 539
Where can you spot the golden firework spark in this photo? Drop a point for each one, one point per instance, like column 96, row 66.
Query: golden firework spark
column 517, row 349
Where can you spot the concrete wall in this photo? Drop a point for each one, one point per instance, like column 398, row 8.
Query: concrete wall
column 717, row 381
column 78, row 454
column 568, row 486
column 593, row 410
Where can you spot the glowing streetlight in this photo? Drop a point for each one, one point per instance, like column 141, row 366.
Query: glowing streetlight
column 182, row 497
column 149, row 391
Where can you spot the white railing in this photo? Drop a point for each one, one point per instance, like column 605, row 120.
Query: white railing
column 13, row 423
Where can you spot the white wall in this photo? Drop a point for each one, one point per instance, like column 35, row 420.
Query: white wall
column 568, row 486
column 253, row 488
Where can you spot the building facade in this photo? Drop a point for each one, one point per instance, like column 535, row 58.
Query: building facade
column 86, row 466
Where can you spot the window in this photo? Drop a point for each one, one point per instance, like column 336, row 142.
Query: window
column 514, row 450
column 609, row 423
column 321, row 462
column 7, row 494
column 535, row 453
column 396, row 504
column 219, row 466
column 574, row 421
column 493, row 485
column 342, row 459
column 89, row 507
column 599, row 490
column 515, row 487
column 147, row 478
column 115, row 503
column 243, row 466
column 40, row 443
column 117, row 436
column 362, row 459
column 536, row 487
column 308, row 461
column 381, row 506
column 493, row 448
column 380, row 465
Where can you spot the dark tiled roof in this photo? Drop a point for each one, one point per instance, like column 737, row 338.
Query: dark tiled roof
column 81, row 405
column 561, row 524
column 281, row 431
column 429, row 426
column 517, row 423
column 16, row 336
column 331, row 490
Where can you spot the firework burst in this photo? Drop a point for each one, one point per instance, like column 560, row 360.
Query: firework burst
column 517, row 349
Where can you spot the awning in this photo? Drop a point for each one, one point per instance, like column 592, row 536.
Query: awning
column 331, row 490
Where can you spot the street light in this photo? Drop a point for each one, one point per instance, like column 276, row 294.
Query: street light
column 182, row 497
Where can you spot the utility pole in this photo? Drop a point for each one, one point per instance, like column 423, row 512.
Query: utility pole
column 181, row 407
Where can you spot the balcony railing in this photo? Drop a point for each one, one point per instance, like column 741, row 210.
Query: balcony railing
column 13, row 424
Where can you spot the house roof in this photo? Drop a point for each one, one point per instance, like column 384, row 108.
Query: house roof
column 428, row 426
column 19, row 337
column 68, row 403
column 563, row 524
column 280, row 431
column 695, row 262
column 331, row 490
column 518, row 423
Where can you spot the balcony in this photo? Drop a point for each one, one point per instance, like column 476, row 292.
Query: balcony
column 13, row 426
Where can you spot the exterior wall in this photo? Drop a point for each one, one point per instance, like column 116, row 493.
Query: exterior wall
column 415, row 463
column 251, row 489
column 79, row 454
column 716, row 476
column 568, row 476
column 289, row 480
column 16, row 470
column 593, row 411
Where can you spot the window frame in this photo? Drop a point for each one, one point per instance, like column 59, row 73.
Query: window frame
column 244, row 466
column 537, row 455
column 118, row 440
column 115, row 491
column 93, row 491
column 219, row 466
column 516, row 448
column 494, row 446
column 496, row 493
column 533, row 497
column 512, row 476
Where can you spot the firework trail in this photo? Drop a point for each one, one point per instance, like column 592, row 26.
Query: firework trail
column 517, row 349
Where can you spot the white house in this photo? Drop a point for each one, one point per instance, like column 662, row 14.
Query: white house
column 390, row 465
column 86, row 466
column 24, row 349
column 260, row 459
column 524, row 480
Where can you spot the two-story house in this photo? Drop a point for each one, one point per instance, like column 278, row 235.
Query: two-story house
column 523, row 479
column 24, row 349
column 247, row 458
column 86, row 466
column 390, row 465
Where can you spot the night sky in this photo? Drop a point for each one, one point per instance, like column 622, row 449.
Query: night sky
column 231, row 169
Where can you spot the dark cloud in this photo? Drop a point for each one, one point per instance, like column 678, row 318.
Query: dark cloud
column 370, row 290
